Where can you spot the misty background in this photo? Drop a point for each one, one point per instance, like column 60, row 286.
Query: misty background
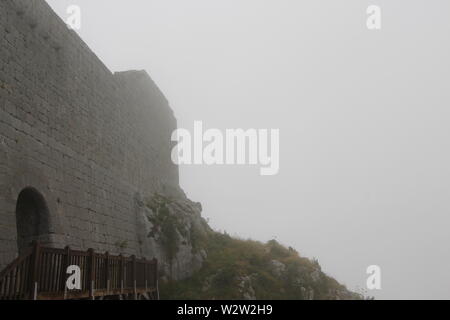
column 363, row 116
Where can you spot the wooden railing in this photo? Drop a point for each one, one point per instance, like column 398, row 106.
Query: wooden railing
column 41, row 274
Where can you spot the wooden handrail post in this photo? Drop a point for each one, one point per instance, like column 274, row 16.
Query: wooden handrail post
column 107, row 273
column 91, row 272
column 155, row 280
column 145, row 262
column 64, row 271
column 121, row 273
column 133, row 259
column 35, row 270
column 155, row 272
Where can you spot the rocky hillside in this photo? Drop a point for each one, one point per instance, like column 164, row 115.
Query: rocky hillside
column 172, row 231
column 199, row 263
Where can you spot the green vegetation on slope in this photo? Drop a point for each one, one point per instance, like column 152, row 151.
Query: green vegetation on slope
column 245, row 269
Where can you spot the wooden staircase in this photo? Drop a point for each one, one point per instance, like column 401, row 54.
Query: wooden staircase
column 40, row 273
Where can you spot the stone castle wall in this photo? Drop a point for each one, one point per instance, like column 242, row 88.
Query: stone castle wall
column 89, row 141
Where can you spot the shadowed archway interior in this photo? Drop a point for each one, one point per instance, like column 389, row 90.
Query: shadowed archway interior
column 32, row 217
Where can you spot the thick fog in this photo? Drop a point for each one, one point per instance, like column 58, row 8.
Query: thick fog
column 363, row 116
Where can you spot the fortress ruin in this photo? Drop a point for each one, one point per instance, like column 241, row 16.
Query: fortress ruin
column 80, row 146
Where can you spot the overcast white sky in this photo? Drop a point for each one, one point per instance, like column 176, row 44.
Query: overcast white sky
column 363, row 117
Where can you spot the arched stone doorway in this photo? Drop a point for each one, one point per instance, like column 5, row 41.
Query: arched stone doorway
column 32, row 218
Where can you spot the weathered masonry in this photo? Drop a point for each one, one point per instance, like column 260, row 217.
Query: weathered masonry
column 79, row 145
